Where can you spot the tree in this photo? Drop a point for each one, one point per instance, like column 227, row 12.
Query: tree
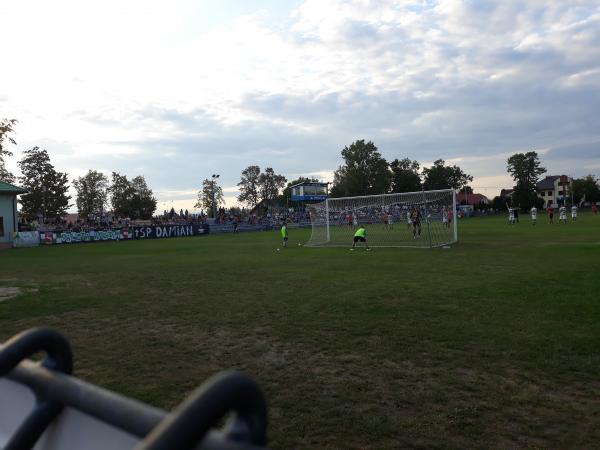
column 498, row 203
column 269, row 184
column 585, row 189
column 525, row 168
column 92, row 193
column 405, row 175
column 287, row 191
column 441, row 176
column 121, row 193
column 133, row 199
column 47, row 189
column 249, row 186
column 6, row 127
column 210, row 197
column 142, row 203
column 364, row 171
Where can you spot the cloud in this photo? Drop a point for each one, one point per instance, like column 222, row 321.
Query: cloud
column 460, row 80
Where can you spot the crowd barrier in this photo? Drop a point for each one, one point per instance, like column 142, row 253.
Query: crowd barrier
column 118, row 234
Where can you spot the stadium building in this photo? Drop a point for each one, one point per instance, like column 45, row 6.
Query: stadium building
column 8, row 211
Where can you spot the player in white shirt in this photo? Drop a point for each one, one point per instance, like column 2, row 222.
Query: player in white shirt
column 408, row 219
column 574, row 212
column 445, row 218
column 511, row 215
column 562, row 214
column 533, row 215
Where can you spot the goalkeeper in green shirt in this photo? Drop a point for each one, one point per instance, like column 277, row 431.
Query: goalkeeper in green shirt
column 360, row 236
column 284, row 234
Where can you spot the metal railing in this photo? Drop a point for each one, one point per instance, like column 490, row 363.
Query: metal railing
column 189, row 426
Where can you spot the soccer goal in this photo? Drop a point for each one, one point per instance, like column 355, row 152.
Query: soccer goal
column 410, row 219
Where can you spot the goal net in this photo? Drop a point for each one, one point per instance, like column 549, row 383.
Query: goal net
column 410, row 219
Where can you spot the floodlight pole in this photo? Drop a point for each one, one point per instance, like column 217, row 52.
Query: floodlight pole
column 214, row 206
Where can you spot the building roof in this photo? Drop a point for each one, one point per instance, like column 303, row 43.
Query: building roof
column 472, row 199
column 547, row 183
column 6, row 188
column 309, row 183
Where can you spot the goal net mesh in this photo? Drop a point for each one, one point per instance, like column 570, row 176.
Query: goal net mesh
column 411, row 219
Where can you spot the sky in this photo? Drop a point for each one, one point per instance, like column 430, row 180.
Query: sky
column 180, row 90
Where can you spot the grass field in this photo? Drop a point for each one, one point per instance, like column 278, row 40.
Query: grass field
column 492, row 343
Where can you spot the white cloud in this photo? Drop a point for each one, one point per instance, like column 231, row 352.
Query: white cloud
column 126, row 85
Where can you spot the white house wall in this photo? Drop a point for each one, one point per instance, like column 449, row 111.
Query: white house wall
column 8, row 208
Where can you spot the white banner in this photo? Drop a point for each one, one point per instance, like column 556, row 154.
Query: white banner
column 26, row 239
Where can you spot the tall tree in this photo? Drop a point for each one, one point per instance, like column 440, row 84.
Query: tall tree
column 131, row 198
column 249, row 186
column 6, row 127
column 405, row 175
column 143, row 203
column 269, row 184
column 92, row 193
column 121, row 193
column 441, row 176
column 525, row 168
column 586, row 189
column 47, row 189
column 364, row 171
column 210, row 197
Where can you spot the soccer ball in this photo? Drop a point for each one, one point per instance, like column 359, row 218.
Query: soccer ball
column 299, row 244
column 277, row 249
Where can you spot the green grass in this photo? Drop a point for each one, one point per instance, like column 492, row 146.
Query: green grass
column 492, row 343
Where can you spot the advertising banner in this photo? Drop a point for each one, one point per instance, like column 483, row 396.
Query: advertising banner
column 167, row 231
column 117, row 234
column 73, row 237
column 26, row 239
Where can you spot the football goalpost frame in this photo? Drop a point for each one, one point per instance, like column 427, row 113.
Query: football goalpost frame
column 388, row 219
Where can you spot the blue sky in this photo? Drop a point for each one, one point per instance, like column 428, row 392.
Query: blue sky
column 180, row 90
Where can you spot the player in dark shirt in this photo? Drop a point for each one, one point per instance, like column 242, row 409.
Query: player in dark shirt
column 415, row 217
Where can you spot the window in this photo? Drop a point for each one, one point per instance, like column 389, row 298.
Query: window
column 1, row 226
column 560, row 192
column 542, row 193
column 550, row 194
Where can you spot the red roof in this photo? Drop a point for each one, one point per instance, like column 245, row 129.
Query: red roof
column 472, row 199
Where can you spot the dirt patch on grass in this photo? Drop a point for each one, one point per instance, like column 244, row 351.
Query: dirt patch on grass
column 7, row 293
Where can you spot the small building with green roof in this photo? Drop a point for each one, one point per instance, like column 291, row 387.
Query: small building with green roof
column 8, row 210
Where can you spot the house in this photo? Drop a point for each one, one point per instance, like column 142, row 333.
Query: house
column 8, row 211
column 471, row 199
column 554, row 189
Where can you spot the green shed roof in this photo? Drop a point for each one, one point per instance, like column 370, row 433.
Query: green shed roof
column 6, row 188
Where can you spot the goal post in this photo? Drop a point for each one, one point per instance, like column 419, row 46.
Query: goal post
column 410, row 219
